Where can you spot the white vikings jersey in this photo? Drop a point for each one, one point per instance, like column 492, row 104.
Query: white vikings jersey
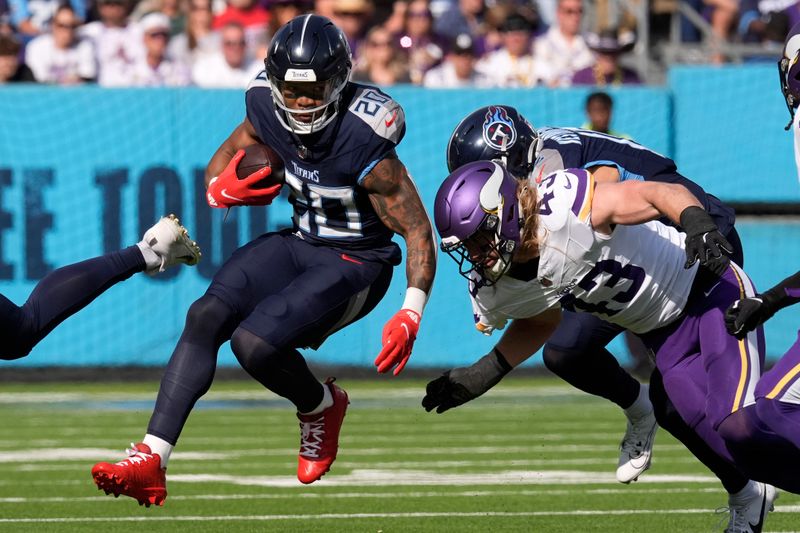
column 633, row 277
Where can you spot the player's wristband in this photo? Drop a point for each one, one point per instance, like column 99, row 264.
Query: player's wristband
column 415, row 300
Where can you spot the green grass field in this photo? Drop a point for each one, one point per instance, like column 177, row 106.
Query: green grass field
column 532, row 455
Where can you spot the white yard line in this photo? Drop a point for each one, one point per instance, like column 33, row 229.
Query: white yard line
column 107, row 454
column 390, row 478
column 351, row 516
column 390, row 494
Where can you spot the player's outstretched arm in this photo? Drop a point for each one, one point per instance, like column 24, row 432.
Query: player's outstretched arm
column 747, row 314
column 522, row 339
column 396, row 201
column 635, row 202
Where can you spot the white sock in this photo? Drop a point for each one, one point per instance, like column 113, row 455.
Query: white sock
column 160, row 447
column 327, row 401
column 641, row 405
column 746, row 493
column 151, row 259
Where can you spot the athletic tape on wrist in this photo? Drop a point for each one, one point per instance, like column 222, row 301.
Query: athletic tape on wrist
column 415, row 300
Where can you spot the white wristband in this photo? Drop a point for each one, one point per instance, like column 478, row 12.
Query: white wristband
column 415, row 300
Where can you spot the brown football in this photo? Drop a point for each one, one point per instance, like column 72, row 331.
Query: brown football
column 256, row 157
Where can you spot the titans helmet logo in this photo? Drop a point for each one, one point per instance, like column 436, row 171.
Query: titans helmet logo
column 498, row 130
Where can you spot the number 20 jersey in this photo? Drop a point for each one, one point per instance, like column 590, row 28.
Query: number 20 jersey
column 634, row 277
column 331, row 207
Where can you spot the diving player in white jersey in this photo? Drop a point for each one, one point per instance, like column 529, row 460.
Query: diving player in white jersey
column 571, row 242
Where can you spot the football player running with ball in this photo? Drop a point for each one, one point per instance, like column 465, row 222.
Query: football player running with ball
column 292, row 289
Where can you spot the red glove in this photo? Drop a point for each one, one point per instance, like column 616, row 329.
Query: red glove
column 398, row 339
column 227, row 190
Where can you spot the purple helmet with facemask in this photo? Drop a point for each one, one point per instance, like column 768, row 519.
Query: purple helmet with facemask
column 478, row 202
column 789, row 70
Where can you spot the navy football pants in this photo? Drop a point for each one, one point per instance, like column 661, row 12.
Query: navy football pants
column 274, row 295
column 59, row 295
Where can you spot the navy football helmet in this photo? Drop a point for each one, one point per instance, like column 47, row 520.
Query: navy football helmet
column 308, row 49
column 789, row 70
column 495, row 133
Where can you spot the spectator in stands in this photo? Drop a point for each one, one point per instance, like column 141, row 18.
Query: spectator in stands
column 767, row 23
column 325, row 8
column 12, row 70
column 198, row 39
column 458, row 68
column 251, row 16
column 423, row 47
column 599, row 108
column 353, row 17
column 153, row 69
column 513, row 65
column 396, row 18
column 382, row 63
column 723, row 19
column 32, row 17
column 117, row 42
column 608, row 45
column 563, row 48
column 176, row 10
column 60, row 56
column 232, row 66
column 282, row 11
column 464, row 16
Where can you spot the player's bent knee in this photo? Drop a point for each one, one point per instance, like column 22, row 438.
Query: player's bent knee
column 253, row 353
column 208, row 313
column 558, row 360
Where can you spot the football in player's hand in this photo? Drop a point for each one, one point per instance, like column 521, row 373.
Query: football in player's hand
column 256, row 157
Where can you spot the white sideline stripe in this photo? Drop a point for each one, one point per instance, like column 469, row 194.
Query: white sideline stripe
column 104, row 454
column 348, row 516
column 377, row 495
column 400, row 465
column 390, row 478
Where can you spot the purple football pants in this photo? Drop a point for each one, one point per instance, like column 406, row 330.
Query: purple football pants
column 715, row 382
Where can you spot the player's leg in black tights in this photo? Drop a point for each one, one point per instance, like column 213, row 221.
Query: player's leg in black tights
column 576, row 353
column 59, row 295
column 668, row 418
column 283, row 371
column 190, row 371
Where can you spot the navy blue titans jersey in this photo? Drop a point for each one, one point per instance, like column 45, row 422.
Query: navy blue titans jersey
column 325, row 173
column 578, row 148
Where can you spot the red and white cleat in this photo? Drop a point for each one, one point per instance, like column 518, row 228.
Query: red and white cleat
column 140, row 476
column 319, row 437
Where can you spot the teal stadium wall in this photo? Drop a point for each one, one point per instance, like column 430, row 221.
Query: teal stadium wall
column 86, row 170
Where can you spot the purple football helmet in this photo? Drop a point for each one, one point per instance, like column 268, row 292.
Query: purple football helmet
column 789, row 70
column 478, row 203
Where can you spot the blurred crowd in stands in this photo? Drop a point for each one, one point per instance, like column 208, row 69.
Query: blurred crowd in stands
column 434, row 43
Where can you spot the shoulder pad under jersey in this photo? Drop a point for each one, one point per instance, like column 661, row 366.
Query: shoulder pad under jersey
column 382, row 114
column 563, row 192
